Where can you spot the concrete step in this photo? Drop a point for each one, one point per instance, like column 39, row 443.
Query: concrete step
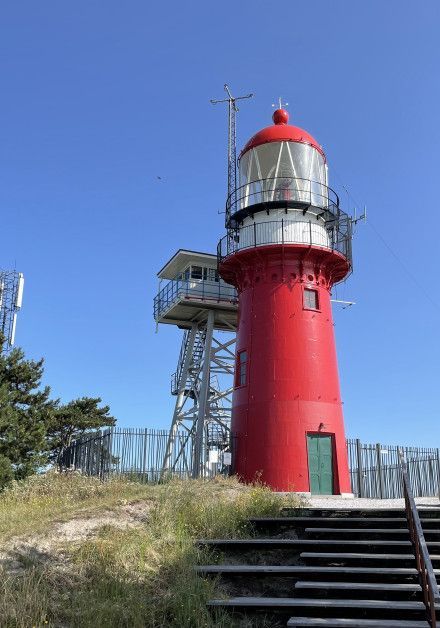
column 360, row 590
column 329, row 622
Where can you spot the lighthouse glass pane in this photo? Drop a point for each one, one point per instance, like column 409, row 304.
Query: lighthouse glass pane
column 283, row 171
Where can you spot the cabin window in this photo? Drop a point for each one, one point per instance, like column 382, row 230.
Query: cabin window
column 311, row 300
column 212, row 274
column 196, row 272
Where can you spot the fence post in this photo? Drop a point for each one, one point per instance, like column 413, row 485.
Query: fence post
column 379, row 469
column 359, row 467
column 438, row 472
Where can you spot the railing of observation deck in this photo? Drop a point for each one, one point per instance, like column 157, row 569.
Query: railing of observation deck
column 179, row 289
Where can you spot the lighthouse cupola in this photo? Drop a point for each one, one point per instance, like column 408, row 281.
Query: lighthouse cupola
column 287, row 156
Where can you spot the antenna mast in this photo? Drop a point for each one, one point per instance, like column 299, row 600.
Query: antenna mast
column 11, row 298
column 232, row 145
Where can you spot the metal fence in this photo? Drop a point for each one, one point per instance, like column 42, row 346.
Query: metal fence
column 374, row 470
column 139, row 453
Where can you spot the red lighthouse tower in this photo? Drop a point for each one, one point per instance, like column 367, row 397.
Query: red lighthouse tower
column 288, row 242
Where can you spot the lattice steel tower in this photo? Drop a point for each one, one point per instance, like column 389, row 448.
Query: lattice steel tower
column 11, row 297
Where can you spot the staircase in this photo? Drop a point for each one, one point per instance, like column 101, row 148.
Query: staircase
column 325, row 568
column 197, row 354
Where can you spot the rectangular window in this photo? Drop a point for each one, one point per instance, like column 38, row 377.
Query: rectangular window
column 196, row 272
column 212, row 274
column 311, row 301
column 241, row 369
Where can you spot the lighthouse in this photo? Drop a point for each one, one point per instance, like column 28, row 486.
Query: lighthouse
column 287, row 244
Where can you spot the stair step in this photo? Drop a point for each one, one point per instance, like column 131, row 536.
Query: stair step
column 358, row 512
column 307, row 521
column 295, row 602
column 335, row 556
column 363, row 586
column 330, row 622
column 402, row 531
column 307, row 570
column 270, row 542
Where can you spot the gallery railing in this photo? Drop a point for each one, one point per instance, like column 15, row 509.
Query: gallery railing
column 333, row 235
column 274, row 189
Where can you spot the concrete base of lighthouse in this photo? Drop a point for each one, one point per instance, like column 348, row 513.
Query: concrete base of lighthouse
column 288, row 401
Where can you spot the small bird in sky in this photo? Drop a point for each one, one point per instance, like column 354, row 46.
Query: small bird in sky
column 160, row 178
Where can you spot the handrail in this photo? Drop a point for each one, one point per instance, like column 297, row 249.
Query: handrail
column 431, row 594
column 282, row 188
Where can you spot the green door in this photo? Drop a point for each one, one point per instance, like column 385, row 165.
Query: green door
column 320, row 464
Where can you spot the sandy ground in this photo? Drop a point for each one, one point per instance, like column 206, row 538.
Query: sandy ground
column 39, row 548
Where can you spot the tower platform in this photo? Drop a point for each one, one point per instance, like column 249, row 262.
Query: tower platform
column 193, row 289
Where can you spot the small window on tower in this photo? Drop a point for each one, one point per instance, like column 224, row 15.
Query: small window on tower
column 241, row 370
column 311, row 301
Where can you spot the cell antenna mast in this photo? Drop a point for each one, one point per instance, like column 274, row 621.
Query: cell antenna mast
column 11, row 298
column 232, row 145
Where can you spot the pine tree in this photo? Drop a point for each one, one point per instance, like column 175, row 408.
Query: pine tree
column 72, row 420
column 25, row 412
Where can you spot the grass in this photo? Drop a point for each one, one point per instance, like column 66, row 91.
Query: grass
column 130, row 578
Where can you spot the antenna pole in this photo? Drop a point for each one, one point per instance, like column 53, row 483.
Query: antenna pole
column 232, row 146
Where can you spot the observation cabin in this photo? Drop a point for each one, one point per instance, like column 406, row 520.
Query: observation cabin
column 283, row 195
column 193, row 288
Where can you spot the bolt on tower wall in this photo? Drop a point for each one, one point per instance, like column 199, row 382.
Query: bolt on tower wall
column 287, row 243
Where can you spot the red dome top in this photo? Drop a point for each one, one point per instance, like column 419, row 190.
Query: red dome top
column 281, row 132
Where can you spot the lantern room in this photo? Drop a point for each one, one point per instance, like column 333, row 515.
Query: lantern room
column 282, row 163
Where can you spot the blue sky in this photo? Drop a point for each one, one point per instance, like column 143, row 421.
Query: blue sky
column 100, row 98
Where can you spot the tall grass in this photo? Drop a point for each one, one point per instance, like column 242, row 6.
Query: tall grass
column 27, row 507
column 134, row 577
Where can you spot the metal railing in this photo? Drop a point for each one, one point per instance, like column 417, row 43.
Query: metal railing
column 200, row 290
column 139, row 453
column 333, row 235
column 374, row 468
column 274, row 189
column 428, row 581
column 375, row 473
